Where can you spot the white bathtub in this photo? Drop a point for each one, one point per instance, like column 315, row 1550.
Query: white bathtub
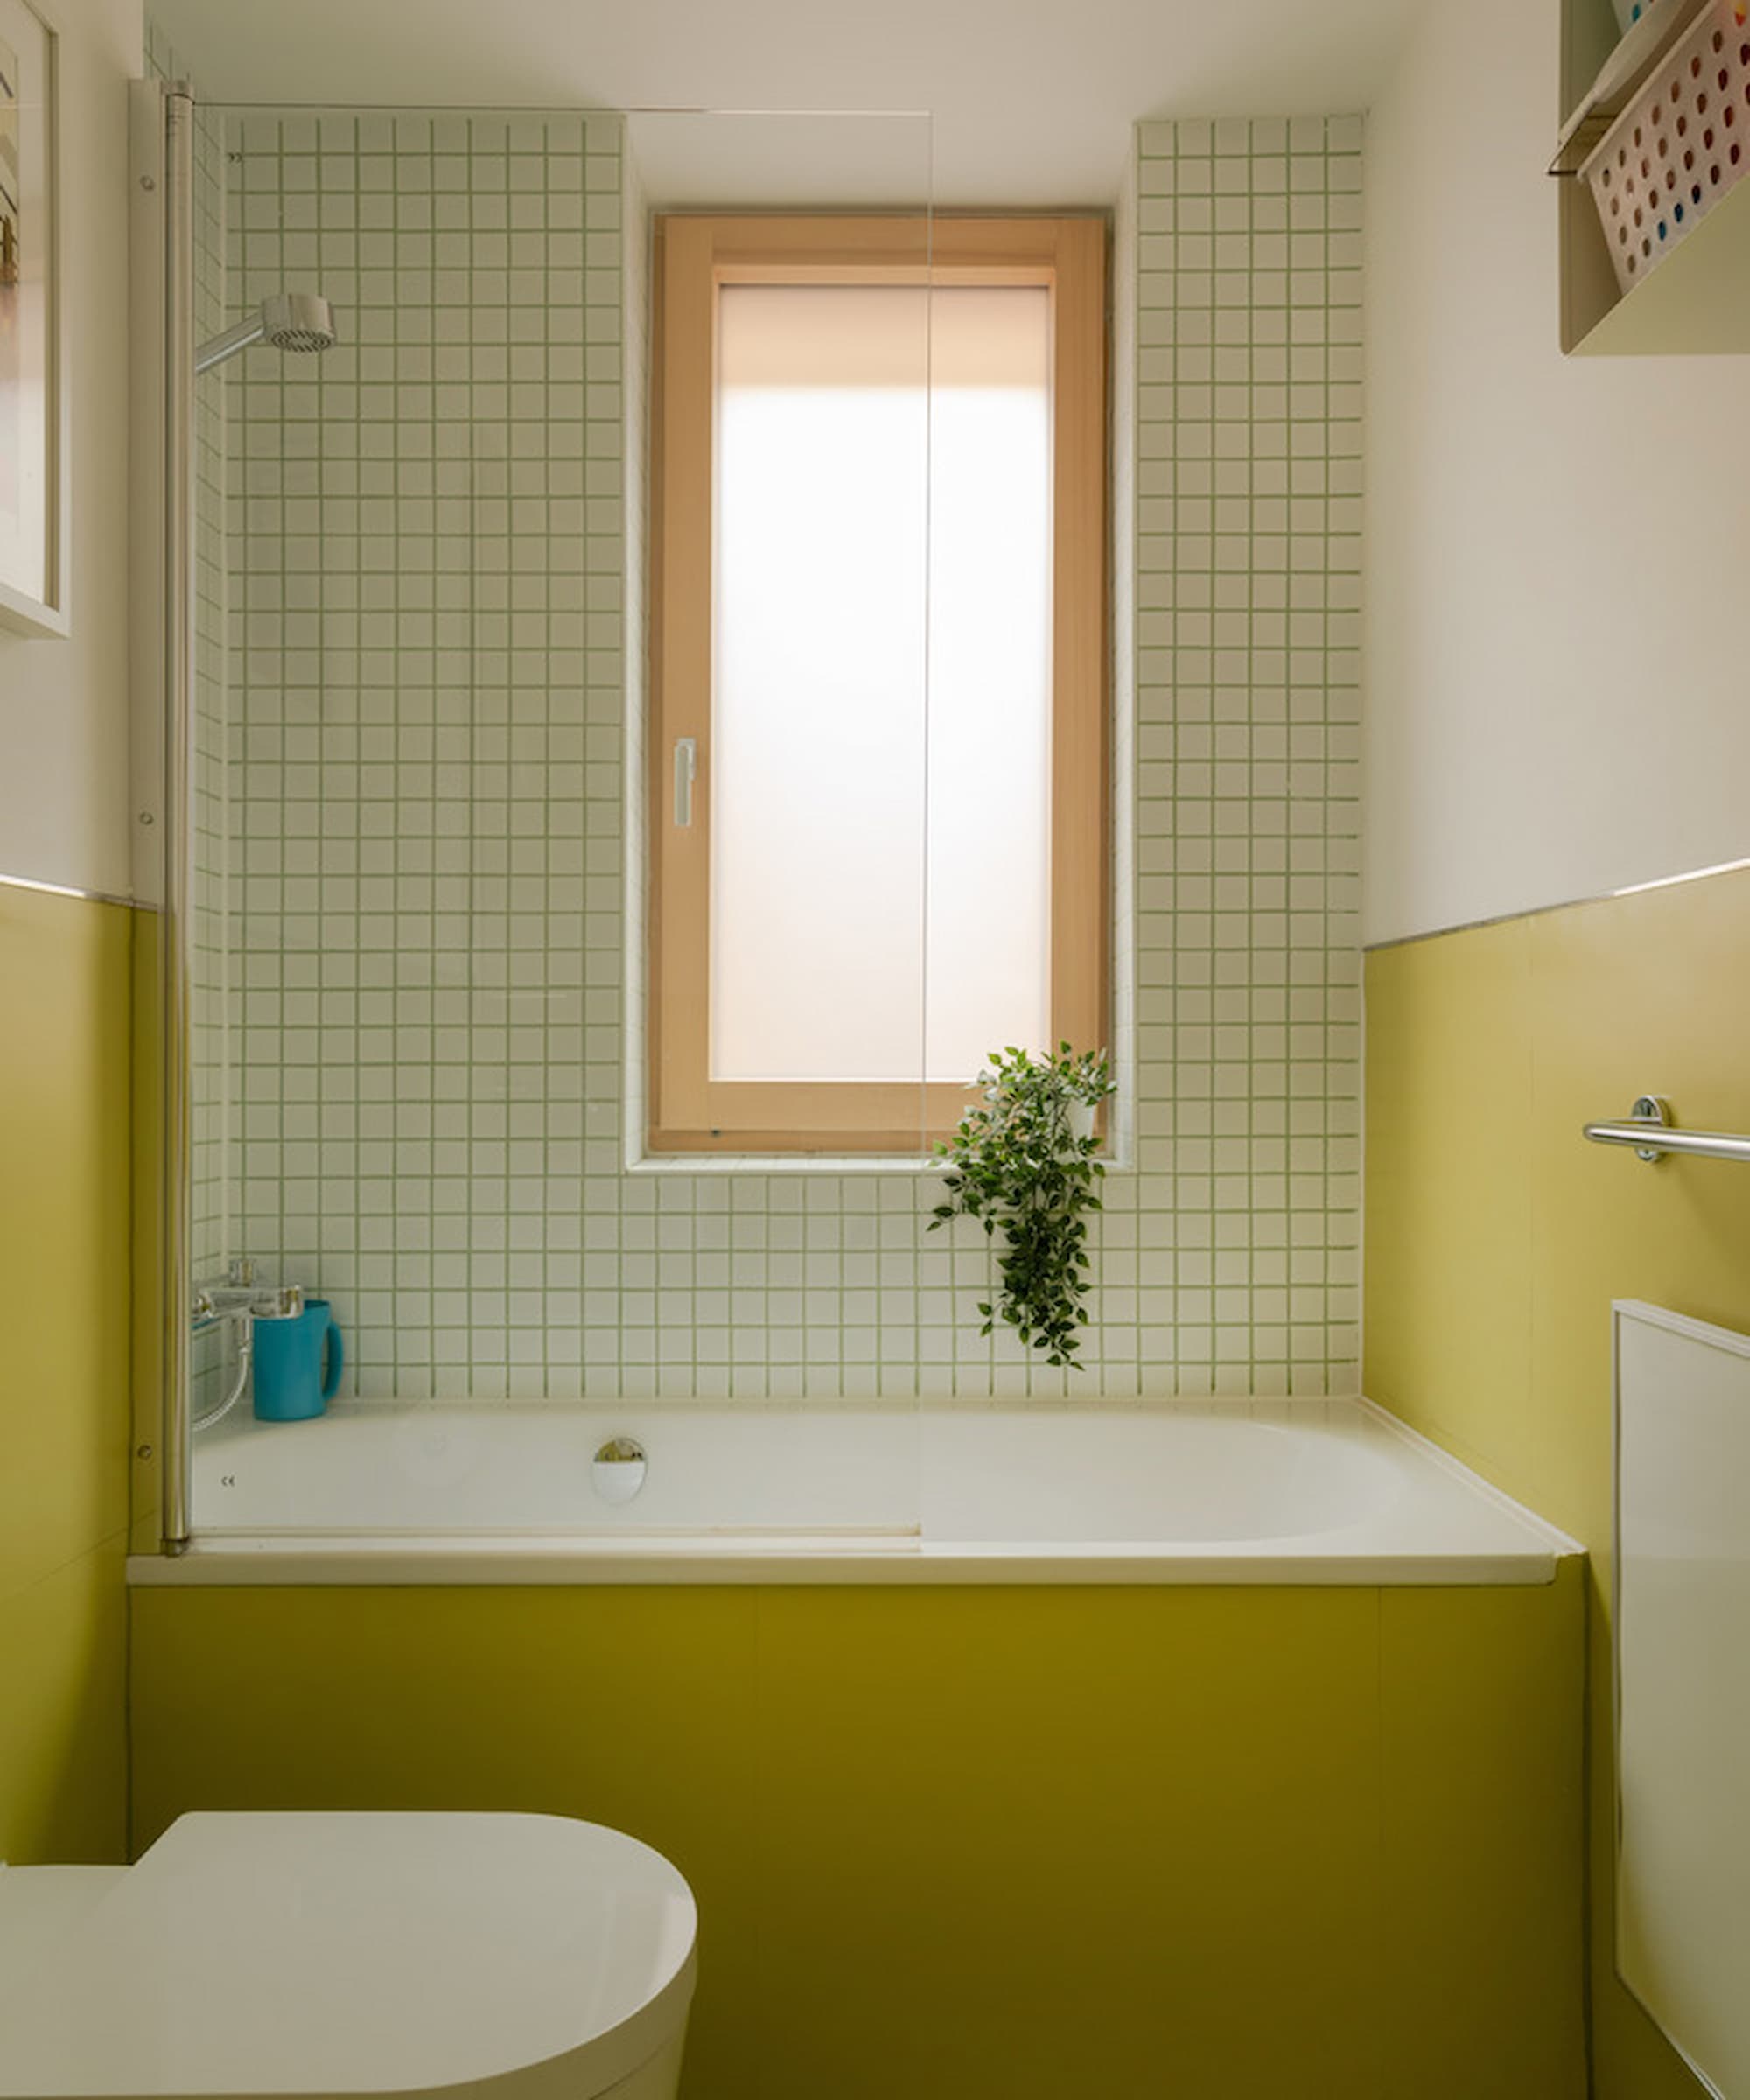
column 1322, row 1491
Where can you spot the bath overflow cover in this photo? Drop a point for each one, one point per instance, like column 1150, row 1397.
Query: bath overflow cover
column 620, row 1469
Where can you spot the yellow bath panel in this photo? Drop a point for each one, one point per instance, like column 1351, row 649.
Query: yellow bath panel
column 956, row 1842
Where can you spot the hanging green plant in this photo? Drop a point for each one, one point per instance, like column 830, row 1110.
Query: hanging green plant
column 1025, row 1163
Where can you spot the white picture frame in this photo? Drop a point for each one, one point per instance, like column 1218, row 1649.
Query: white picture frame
column 34, row 504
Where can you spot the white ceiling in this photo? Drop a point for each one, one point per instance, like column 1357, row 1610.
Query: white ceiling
column 1032, row 100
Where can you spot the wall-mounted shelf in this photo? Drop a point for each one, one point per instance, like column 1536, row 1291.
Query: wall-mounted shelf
column 1697, row 300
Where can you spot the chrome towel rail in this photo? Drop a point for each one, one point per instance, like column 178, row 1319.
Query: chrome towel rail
column 1652, row 1115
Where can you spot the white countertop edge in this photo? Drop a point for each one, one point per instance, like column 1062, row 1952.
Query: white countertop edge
column 409, row 1564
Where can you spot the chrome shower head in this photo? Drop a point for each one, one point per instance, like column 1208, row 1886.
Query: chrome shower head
column 287, row 320
column 298, row 320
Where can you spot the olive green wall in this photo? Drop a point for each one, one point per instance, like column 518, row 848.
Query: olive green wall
column 1497, row 1238
column 64, row 1311
column 957, row 1842
column 64, row 1017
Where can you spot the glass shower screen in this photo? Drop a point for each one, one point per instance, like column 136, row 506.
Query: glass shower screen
column 424, row 772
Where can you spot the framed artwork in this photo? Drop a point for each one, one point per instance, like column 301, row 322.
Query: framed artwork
column 33, row 449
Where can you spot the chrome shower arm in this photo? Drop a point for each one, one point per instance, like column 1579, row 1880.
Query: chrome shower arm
column 232, row 341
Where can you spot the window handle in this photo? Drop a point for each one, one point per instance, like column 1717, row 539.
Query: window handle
column 686, row 767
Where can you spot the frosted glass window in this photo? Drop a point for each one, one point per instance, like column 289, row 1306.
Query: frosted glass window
column 881, row 834
column 988, row 977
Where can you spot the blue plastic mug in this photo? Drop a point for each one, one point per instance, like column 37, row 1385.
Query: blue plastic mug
column 291, row 1381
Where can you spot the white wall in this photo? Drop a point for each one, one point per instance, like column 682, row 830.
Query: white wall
column 1557, row 647
column 64, row 704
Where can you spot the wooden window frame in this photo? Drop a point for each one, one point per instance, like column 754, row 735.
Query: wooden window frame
column 694, row 254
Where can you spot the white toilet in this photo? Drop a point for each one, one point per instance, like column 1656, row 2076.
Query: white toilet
column 526, row 1958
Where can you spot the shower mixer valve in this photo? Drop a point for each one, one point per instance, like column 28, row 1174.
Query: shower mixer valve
column 240, row 1295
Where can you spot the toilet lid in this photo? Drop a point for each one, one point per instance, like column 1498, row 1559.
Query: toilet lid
column 357, row 1953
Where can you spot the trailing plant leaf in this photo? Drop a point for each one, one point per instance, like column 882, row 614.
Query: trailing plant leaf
column 1025, row 1163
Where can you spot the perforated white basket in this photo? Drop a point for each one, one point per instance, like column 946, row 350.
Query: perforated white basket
column 1678, row 147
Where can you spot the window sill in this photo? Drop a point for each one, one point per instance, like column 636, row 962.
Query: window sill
column 837, row 1164
column 638, row 1162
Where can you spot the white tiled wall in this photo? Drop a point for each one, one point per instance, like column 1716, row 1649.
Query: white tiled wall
column 434, row 547
column 1248, row 744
